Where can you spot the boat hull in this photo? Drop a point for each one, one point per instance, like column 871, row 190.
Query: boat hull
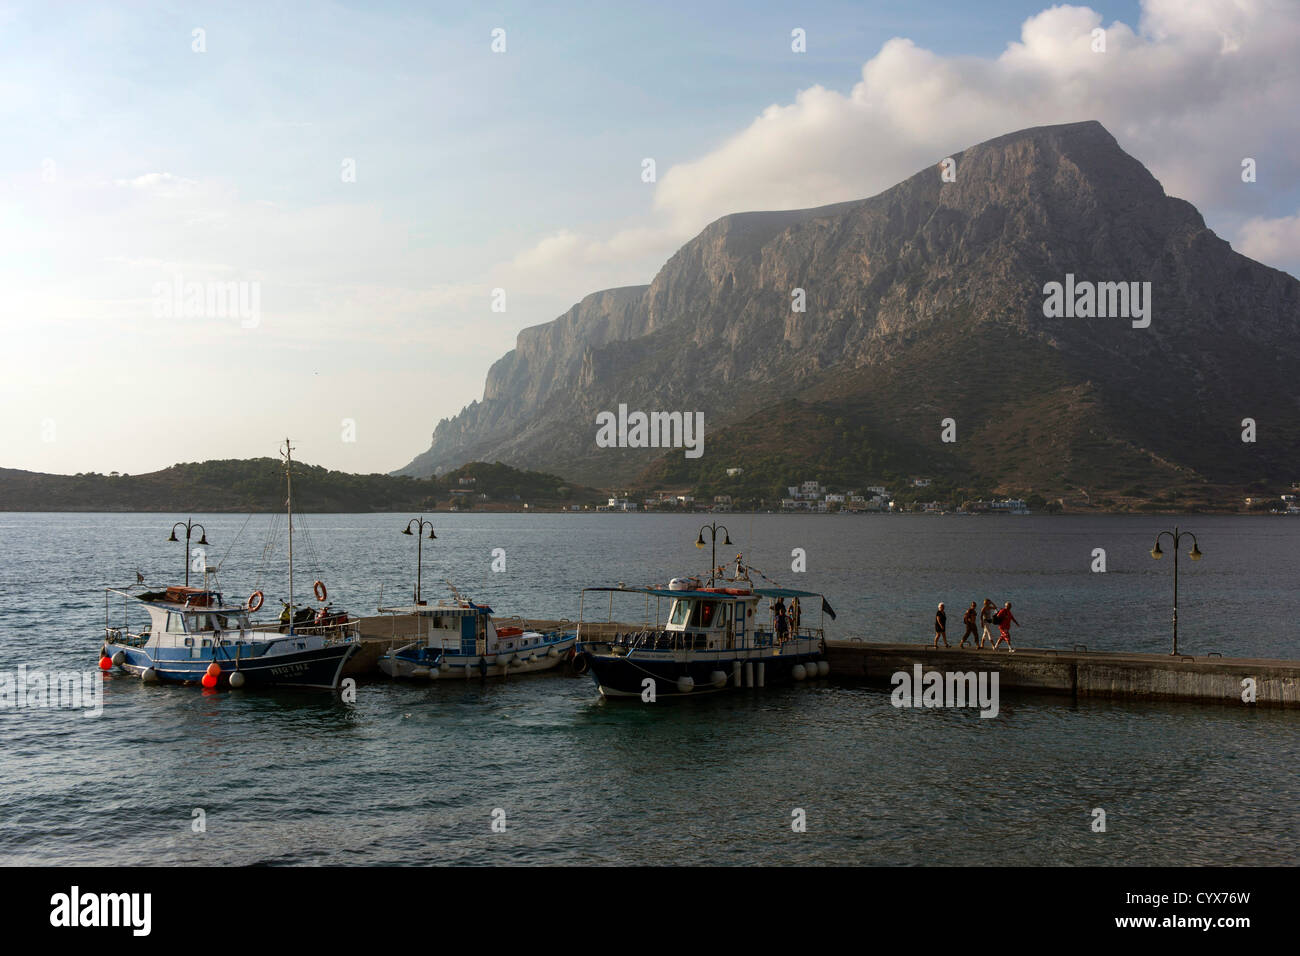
column 318, row 668
column 618, row 675
column 464, row 667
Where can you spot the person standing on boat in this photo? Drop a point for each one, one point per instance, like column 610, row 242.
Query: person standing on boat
column 940, row 627
column 782, row 622
column 987, row 613
column 969, row 619
column 1005, row 619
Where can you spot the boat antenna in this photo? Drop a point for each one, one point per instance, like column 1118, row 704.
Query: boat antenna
column 287, row 455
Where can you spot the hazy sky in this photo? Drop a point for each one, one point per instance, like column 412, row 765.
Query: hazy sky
column 367, row 175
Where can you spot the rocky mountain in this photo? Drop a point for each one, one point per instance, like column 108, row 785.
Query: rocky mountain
column 923, row 303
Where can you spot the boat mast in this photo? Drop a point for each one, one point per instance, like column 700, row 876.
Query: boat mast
column 288, row 502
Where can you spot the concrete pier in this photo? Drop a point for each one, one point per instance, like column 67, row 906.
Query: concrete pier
column 1082, row 673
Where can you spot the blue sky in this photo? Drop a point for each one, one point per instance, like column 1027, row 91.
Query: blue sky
column 132, row 162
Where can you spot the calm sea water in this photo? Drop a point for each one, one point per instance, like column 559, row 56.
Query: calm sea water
column 413, row 774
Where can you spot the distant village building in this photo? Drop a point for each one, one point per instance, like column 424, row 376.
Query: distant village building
column 733, row 472
column 1015, row 506
column 920, row 482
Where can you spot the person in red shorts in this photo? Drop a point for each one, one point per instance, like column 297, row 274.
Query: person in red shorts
column 1005, row 619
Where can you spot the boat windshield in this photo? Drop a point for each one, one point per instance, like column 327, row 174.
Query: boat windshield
column 692, row 613
column 705, row 611
column 681, row 612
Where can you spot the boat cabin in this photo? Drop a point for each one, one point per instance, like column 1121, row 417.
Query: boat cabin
column 463, row 628
column 721, row 618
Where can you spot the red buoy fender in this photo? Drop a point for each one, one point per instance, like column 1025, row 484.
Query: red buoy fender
column 319, row 588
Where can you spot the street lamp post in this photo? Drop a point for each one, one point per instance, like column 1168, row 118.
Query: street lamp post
column 419, row 524
column 713, row 530
column 189, row 527
column 1195, row 554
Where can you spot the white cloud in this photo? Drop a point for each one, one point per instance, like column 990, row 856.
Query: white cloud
column 1275, row 241
column 1190, row 92
column 155, row 180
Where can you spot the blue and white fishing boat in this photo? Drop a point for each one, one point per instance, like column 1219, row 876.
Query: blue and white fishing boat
column 460, row 639
column 714, row 637
column 194, row 636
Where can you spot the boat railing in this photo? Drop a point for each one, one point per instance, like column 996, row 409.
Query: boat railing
column 124, row 635
column 599, row 632
column 344, row 631
column 768, row 638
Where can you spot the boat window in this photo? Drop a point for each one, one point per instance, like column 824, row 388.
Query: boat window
column 174, row 623
column 704, row 614
column 681, row 611
column 200, row 622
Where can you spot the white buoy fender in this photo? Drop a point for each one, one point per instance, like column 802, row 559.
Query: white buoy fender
column 552, row 652
column 823, row 668
column 685, row 684
column 237, row 679
column 419, row 672
column 504, row 659
column 149, row 675
column 718, row 679
column 119, row 658
column 798, row 672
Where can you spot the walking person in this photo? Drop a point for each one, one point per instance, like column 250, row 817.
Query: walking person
column 1005, row 619
column 969, row 619
column 987, row 613
column 940, row 627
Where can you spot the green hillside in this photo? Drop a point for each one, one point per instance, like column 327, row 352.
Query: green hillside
column 257, row 485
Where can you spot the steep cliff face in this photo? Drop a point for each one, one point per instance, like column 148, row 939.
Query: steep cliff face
column 946, row 281
column 546, row 359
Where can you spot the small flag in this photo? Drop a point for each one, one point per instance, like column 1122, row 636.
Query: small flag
column 827, row 609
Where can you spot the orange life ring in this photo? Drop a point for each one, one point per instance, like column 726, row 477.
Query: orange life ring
column 255, row 600
column 319, row 588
